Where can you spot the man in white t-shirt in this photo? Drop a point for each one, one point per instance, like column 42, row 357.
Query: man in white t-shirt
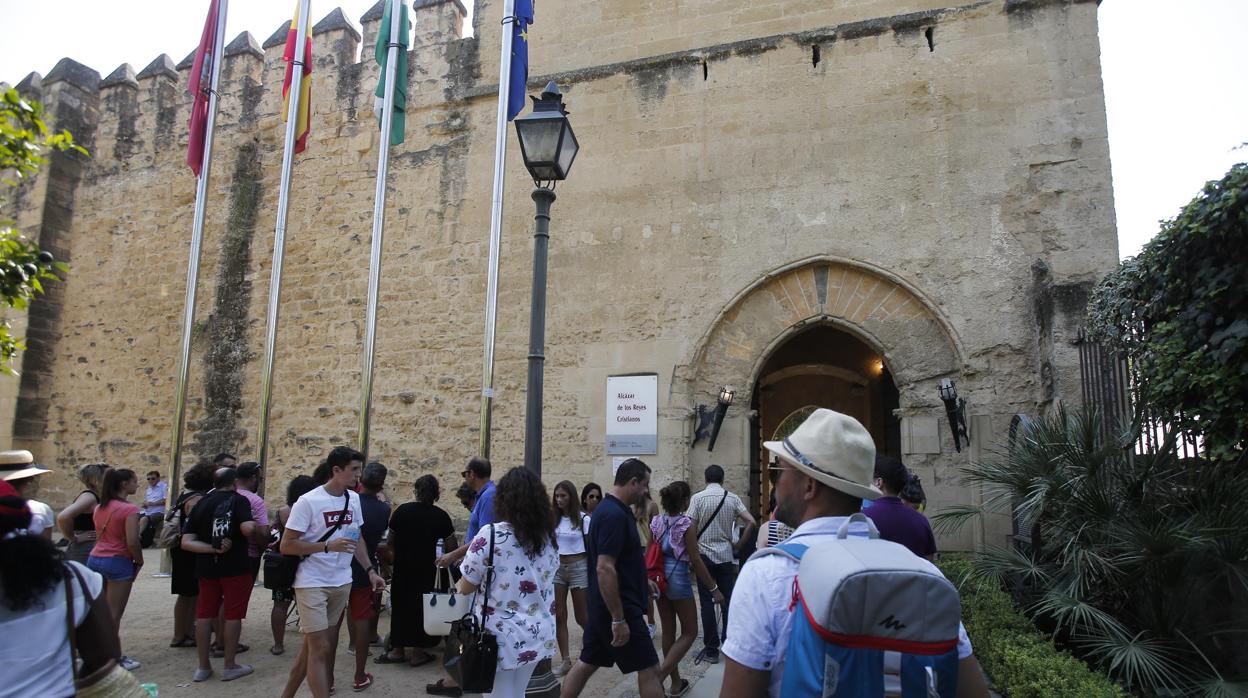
column 825, row 470
column 324, row 526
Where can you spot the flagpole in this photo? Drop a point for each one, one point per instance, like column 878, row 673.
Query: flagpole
column 197, row 240
column 379, row 223
column 279, row 235
column 496, row 225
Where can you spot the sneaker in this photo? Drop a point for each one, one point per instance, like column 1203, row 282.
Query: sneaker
column 563, row 669
column 650, row 627
column 129, row 664
column 237, row 672
column 202, row 675
column 162, row 575
column 708, row 656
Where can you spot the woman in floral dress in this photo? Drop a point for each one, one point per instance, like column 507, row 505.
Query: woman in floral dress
column 519, row 604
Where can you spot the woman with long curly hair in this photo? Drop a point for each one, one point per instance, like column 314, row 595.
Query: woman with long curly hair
column 571, row 525
column 184, row 582
column 514, row 601
column 75, row 520
column 675, row 534
column 34, row 618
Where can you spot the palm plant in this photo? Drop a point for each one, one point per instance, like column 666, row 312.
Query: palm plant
column 1139, row 562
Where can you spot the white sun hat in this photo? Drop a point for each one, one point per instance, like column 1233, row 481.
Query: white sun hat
column 15, row 465
column 834, row 449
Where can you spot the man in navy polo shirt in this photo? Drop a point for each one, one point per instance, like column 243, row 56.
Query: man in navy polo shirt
column 616, row 633
column 896, row 520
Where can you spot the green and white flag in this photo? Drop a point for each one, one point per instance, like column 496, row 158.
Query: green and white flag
column 398, row 121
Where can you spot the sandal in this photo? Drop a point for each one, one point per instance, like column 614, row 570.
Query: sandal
column 276, row 650
column 187, row 641
column 387, row 659
column 684, row 688
column 441, row 689
column 421, row 662
column 218, row 651
column 362, row 685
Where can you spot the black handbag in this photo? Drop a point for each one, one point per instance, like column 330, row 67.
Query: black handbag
column 478, row 654
column 279, row 569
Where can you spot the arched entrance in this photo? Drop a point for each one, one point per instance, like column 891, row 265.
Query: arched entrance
column 821, row 319
column 822, row 366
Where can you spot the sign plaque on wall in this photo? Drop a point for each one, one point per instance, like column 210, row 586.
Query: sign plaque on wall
column 632, row 414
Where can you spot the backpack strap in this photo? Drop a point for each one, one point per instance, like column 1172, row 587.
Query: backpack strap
column 793, row 551
column 858, row 517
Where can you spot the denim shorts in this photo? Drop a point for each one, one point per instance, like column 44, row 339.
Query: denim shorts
column 679, row 585
column 114, row 569
column 574, row 574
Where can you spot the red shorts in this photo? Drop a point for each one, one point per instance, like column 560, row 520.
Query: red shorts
column 362, row 604
column 235, row 591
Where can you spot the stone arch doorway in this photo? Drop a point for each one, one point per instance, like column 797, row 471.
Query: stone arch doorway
column 875, row 308
column 820, row 366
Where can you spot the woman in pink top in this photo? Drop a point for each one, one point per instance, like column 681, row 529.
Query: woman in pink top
column 117, row 555
column 674, row 533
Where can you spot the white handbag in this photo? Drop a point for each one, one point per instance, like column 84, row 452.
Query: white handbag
column 443, row 607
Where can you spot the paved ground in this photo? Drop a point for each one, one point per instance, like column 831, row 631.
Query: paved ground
column 147, row 629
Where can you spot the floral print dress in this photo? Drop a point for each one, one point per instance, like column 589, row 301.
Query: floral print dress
column 521, row 607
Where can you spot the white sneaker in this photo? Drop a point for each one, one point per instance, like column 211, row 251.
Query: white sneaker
column 129, row 664
column 651, row 627
column 563, row 669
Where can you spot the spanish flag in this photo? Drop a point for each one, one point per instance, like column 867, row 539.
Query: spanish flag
column 304, row 108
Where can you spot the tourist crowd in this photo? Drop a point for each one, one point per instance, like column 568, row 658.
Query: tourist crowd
column 529, row 562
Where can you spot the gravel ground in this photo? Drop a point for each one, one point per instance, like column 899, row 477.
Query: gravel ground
column 147, row 629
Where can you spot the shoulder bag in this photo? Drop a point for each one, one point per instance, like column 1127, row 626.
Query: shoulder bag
column 171, row 531
column 110, row 680
column 443, row 606
column 279, row 569
column 713, row 515
column 478, row 658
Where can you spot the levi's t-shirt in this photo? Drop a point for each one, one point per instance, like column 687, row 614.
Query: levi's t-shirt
column 315, row 513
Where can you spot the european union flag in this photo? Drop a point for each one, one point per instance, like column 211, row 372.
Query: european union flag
column 519, row 57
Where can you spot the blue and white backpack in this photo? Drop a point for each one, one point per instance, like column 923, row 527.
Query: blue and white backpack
column 864, row 608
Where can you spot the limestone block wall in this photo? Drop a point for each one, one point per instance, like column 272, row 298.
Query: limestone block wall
column 957, row 152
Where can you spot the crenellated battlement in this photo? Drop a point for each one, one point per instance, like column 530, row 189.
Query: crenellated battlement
column 143, row 115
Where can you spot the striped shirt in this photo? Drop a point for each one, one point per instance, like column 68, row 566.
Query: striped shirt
column 715, row 544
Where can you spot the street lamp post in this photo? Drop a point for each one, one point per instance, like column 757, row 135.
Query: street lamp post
column 548, row 147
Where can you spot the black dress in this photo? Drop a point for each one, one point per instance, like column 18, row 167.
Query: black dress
column 183, row 581
column 417, row 527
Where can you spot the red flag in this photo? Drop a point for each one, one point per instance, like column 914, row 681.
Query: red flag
column 200, row 84
column 303, row 109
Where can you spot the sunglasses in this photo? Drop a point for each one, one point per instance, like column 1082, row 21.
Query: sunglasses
column 773, row 473
column 592, row 496
column 152, row 479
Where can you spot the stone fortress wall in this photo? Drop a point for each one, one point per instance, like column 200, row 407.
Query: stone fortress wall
column 933, row 176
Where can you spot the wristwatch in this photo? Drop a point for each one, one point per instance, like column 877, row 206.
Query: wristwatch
column 619, row 622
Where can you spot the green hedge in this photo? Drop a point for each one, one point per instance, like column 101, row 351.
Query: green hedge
column 1020, row 660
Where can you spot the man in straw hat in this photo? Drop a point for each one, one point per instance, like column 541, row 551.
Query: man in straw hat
column 824, row 471
column 18, row 468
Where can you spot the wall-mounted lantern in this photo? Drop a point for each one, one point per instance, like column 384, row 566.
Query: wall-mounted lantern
column 709, row 421
column 955, row 409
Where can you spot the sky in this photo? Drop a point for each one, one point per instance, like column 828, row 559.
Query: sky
column 1176, row 90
